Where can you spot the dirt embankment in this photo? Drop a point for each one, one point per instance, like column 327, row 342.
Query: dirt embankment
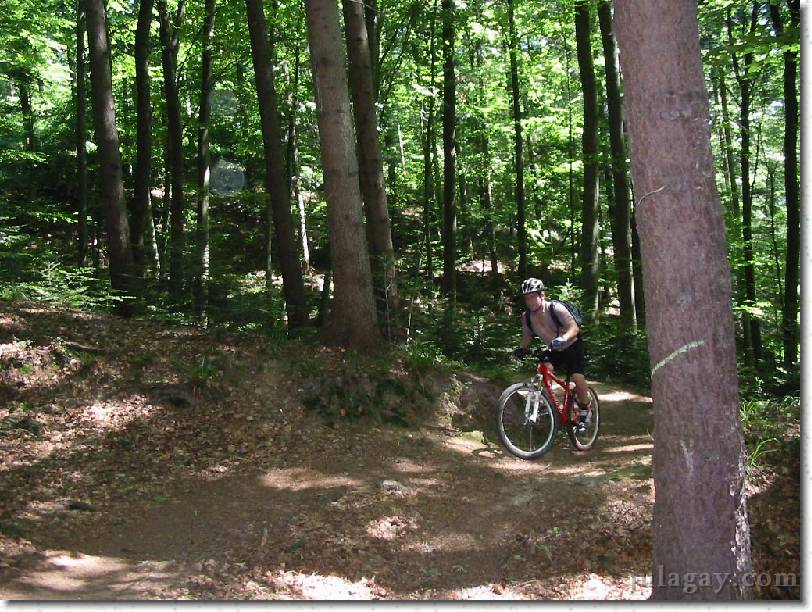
column 141, row 461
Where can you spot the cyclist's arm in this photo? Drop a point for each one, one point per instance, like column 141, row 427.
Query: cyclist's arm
column 527, row 335
column 568, row 321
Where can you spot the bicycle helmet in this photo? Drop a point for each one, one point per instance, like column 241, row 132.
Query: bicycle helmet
column 532, row 285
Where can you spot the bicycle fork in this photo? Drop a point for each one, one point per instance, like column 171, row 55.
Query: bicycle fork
column 531, row 406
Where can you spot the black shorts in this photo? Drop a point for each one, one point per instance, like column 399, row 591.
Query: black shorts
column 572, row 358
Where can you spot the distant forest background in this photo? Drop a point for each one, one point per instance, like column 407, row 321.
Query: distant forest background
column 490, row 147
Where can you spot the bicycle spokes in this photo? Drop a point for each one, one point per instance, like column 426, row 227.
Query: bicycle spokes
column 526, row 421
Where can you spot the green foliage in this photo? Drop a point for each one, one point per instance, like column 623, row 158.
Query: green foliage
column 771, row 427
column 71, row 287
column 350, row 386
column 424, row 355
column 617, row 354
column 203, row 369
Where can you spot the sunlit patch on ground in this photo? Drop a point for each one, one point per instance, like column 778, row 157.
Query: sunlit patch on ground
column 631, row 448
column 66, row 575
column 299, row 479
column 598, row 588
column 390, row 527
column 297, row 585
column 623, row 396
column 451, row 542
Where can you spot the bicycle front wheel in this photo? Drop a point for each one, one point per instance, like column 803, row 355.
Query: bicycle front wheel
column 585, row 439
column 526, row 421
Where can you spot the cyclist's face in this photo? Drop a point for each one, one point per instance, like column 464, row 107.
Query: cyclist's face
column 532, row 300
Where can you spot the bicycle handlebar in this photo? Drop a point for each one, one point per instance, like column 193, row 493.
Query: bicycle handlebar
column 542, row 353
column 539, row 353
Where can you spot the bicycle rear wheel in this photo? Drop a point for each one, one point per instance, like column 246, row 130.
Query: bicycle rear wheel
column 584, row 440
column 526, row 421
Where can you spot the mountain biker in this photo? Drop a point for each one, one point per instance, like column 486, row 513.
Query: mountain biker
column 565, row 340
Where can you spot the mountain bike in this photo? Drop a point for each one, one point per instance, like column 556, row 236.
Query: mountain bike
column 530, row 414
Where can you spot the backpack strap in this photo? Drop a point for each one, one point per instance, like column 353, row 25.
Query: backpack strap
column 526, row 317
column 557, row 321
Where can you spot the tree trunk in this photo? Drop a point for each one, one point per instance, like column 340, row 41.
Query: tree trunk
column 170, row 41
column 164, row 215
column 104, row 119
column 379, row 230
column 292, row 162
column 591, row 201
column 450, row 152
column 485, row 201
column 752, row 328
column 621, row 229
column 774, row 250
column 570, row 158
column 28, row 114
column 720, row 133
column 204, row 163
column 428, row 188
column 323, row 316
column 81, row 133
column 637, row 271
column 463, row 234
column 791, row 189
column 371, row 15
column 143, row 139
column 275, row 183
column 485, row 196
column 730, row 163
column 151, row 256
column 734, row 219
column 353, row 322
column 700, row 519
column 430, row 151
column 517, row 150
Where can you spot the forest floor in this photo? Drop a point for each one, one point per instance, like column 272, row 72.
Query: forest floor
column 121, row 479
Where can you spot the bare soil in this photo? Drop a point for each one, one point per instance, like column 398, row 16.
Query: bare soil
column 130, row 471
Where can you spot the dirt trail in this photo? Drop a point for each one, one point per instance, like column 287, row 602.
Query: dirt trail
column 277, row 505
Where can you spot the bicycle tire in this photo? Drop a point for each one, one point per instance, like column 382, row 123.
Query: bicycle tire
column 527, row 430
column 584, row 441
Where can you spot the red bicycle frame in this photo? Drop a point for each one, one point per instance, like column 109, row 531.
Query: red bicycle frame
column 547, row 377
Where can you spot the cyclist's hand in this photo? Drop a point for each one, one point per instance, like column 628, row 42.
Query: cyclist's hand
column 558, row 343
column 518, row 353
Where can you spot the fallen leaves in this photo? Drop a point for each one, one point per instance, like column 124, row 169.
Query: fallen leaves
column 103, row 431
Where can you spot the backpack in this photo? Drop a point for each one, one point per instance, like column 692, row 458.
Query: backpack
column 571, row 308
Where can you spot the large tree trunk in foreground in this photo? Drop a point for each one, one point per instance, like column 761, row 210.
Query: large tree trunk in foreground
column 590, row 261
column 379, row 229
column 353, row 322
column 104, row 119
column 275, row 182
column 700, row 518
